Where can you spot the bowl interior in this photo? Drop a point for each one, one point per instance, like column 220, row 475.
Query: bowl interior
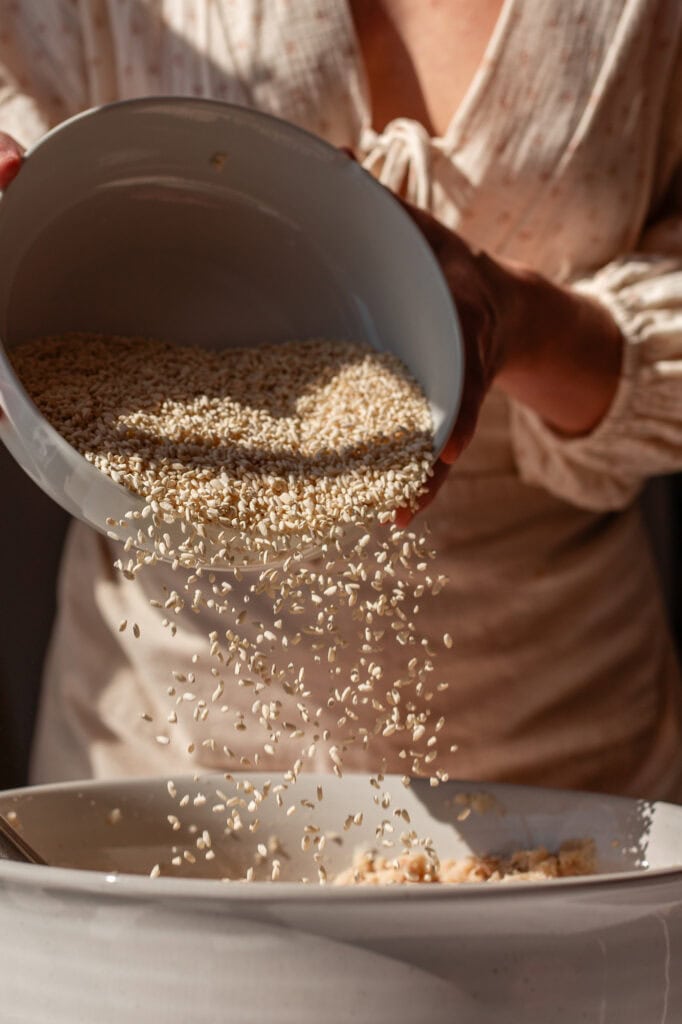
column 214, row 225
column 124, row 827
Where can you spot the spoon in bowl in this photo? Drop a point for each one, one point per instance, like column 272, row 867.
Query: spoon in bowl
column 14, row 847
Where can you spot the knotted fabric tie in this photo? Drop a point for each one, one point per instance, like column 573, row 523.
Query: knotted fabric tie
column 418, row 168
column 400, row 158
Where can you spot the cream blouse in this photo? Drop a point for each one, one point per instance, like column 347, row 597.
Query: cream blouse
column 565, row 154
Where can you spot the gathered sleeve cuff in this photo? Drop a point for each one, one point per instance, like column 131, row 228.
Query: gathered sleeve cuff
column 641, row 434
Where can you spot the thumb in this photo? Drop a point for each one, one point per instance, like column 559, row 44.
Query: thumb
column 11, row 157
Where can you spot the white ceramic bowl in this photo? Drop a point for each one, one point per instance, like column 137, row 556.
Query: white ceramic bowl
column 203, row 223
column 94, row 945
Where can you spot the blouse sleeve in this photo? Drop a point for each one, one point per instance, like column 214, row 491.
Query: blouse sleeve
column 641, row 434
column 43, row 71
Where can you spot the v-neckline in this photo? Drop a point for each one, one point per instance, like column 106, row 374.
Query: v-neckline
column 472, row 96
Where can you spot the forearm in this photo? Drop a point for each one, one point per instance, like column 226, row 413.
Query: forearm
column 555, row 351
column 561, row 354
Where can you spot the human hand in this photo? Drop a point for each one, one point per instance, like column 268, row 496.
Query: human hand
column 479, row 288
column 548, row 347
column 11, row 156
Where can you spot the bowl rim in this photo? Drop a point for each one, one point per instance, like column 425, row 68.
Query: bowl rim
column 80, row 882
column 123, row 885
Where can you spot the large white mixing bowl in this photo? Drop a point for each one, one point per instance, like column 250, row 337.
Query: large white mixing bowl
column 100, row 947
column 207, row 224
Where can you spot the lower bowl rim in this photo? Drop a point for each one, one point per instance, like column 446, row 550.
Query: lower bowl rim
column 123, row 885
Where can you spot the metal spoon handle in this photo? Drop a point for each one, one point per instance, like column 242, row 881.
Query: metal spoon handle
column 14, row 847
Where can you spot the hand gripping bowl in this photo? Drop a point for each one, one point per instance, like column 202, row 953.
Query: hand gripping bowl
column 81, row 942
column 202, row 223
